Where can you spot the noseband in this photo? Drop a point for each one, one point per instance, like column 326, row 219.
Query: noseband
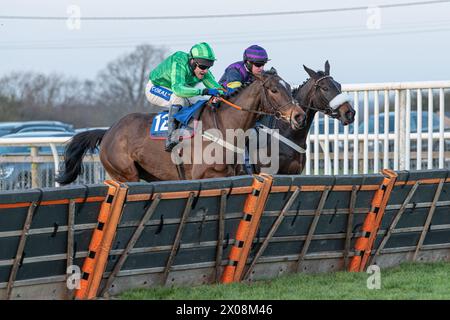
column 333, row 104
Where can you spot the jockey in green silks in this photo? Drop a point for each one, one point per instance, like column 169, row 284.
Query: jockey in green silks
column 173, row 81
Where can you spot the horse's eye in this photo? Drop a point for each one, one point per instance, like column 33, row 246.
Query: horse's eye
column 274, row 90
column 324, row 88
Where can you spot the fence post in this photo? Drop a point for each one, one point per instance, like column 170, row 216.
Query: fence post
column 372, row 223
column 34, row 168
column 402, row 130
column 249, row 224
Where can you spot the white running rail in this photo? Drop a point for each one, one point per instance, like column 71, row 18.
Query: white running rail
column 406, row 139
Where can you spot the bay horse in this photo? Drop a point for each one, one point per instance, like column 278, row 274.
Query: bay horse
column 128, row 154
column 320, row 93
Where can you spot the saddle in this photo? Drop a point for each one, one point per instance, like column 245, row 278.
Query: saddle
column 185, row 116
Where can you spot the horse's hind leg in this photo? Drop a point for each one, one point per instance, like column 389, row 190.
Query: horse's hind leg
column 144, row 175
column 121, row 169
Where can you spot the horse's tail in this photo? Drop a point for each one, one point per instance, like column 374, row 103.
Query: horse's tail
column 75, row 151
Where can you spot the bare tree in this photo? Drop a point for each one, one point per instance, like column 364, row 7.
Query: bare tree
column 36, row 96
column 117, row 90
column 122, row 82
column 37, row 89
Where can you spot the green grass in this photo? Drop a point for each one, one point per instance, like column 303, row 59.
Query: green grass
column 407, row 281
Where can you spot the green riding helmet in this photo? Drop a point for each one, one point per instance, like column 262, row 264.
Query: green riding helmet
column 203, row 54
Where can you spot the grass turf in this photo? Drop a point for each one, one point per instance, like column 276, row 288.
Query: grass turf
column 407, row 281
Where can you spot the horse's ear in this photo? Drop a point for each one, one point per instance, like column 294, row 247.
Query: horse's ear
column 311, row 72
column 327, row 68
column 258, row 76
column 273, row 70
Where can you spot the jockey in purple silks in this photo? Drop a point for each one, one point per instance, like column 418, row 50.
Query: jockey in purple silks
column 254, row 59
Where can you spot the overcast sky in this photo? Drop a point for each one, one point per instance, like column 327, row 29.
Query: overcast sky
column 411, row 43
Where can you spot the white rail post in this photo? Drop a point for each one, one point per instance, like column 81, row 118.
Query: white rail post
column 396, row 128
column 407, row 142
column 376, row 131
column 430, row 129
column 441, row 128
column 336, row 147
column 355, row 134
column 419, row 130
column 34, row 168
column 366, row 133
column 401, row 122
column 316, row 144
column 55, row 161
column 308, row 155
column 326, row 131
column 346, row 150
column 386, row 131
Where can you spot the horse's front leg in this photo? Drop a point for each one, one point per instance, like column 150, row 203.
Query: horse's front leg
column 295, row 166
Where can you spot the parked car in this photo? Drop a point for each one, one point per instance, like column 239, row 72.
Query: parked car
column 330, row 126
column 413, row 123
column 78, row 130
column 17, row 175
column 361, row 125
column 33, row 126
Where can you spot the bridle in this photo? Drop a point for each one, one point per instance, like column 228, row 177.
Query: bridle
column 331, row 106
column 276, row 110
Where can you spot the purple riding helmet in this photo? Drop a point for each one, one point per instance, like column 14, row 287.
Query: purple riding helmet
column 255, row 53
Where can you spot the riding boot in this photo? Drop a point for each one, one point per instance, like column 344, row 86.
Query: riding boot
column 171, row 141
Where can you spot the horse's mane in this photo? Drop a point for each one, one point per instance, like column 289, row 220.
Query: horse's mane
column 246, row 84
column 295, row 90
column 270, row 72
column 239, row 89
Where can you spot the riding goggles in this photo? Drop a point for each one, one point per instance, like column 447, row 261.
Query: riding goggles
column 258, row 64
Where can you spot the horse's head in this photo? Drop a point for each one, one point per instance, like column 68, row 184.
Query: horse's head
column 327, row 97
column 277, row 99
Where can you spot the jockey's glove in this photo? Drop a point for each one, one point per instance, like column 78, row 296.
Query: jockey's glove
column 211, row 92
column 229, row 91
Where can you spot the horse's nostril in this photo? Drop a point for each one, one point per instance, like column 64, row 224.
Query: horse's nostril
column 300, row 117
column 349, row 114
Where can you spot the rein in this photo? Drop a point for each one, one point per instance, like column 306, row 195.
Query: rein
column 277, row 114
column 231, row 104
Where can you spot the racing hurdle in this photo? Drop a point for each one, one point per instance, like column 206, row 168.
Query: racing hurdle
column 177, row 233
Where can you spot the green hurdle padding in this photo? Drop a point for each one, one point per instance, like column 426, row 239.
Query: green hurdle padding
column 315, row 233
column 416, row 224
column 156, row 258
column 40, row 256
column 181, row 232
